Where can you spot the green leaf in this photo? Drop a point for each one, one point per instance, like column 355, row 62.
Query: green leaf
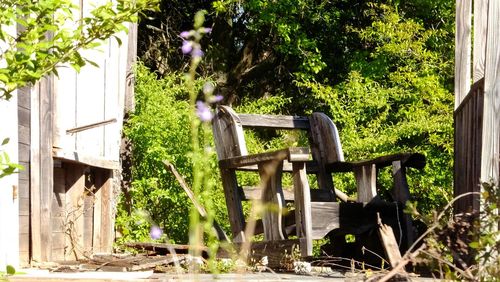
column 5, row 141
column 10, row 270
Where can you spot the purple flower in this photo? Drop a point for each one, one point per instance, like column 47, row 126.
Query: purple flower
column 197, row 53
column 203, row 111
column 187, row 47
column 207, row 30
column 185, row 34
column 155, row 232
column 215, row 99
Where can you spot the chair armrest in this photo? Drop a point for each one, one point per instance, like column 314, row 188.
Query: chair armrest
column 415, row 160
column 294, row 154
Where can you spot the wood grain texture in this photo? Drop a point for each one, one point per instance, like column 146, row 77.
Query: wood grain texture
column 467, row 147
column 36, row 243
column 302, row 208
column 480, row 31
column 272, row 199
column 490, row 156
column 366, row 182
column 462, row 50
column 274, row 121
column 46, row 167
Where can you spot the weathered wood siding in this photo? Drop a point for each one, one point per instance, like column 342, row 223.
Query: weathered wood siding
column 477, row 115
column 468, row 140
column 94, row 96
column 69, row 141
column 24, row 129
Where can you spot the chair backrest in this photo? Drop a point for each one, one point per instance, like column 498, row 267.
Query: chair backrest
column 323, row 136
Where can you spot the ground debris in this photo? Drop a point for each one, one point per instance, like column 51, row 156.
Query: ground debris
column 119, row 264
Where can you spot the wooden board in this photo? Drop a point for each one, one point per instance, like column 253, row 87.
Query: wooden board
column 491, row 115
column 462, row 50
column 480, row 30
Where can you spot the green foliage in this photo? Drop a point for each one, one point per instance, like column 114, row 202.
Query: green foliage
column 159, row 130
column 50, row 34
column 394, row 100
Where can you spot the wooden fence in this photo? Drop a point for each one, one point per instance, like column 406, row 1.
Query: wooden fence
column 468, row 143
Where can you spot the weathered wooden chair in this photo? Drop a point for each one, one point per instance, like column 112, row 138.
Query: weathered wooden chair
column 316, row 210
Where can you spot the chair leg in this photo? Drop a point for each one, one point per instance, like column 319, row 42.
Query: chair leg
column 273, row 199
column 401, row 194
column 233, row 202
column 302, row 208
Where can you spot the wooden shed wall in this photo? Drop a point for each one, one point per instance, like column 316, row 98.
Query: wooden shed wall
column 70, row 134
column 477, row 114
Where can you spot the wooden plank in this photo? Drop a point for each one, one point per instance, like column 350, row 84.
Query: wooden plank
column 479, row 37
column 272, row 200
column 88, row 211
column 491, row 116
column 366, row 182
column 302, row 208
column 24, row 116
column 99, row 182
column 75, row 183
column 233, row 203
column 389, row 243
column 295, row 154
column 401, row 194
column 107, row 215
column 24, row 136
column 462, row 50
column 326, row 218
column 274, row 121
column 36, row 243
column 467, row 146
column 86, row 158
column 317, row 195
column 228, row 134
column 129, row 105
column 46, row 167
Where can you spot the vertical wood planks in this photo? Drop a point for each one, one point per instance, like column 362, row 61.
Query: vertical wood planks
column 480, row 29
column 58, row 216
column 490, row 156
column 467, row 147
column 74, row 221
column 46, row 166
column 107, row 215
column 24, row 124
column 462, row 50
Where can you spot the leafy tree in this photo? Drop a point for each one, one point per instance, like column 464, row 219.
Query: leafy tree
column 50, row 34
column 381, row 69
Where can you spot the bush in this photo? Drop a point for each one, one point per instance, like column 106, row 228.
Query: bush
column 159, row 129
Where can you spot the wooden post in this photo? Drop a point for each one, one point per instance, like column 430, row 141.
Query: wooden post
column 303, row 219
column 402, row 195
column 272, row 199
